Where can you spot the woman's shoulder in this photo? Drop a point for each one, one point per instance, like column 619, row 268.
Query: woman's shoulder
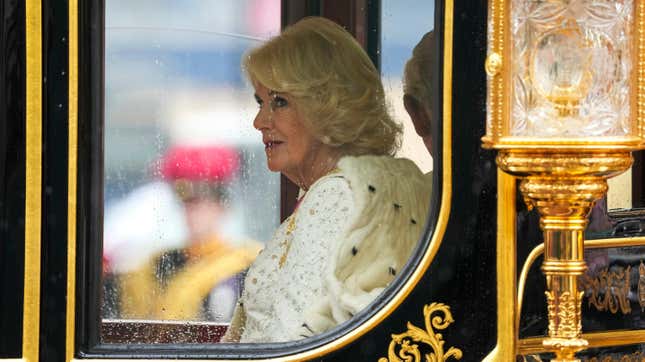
column 330, row 197
column 369, row 176
column 378, row 165
column 355, row 172
column 334, row 183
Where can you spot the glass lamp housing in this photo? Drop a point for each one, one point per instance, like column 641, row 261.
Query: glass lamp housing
column 564, row 72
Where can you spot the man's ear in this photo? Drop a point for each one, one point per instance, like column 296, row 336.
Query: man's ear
column 419, row 115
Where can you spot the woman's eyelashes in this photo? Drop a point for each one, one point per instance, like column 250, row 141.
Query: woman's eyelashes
column 278, row 102
column 258, row 100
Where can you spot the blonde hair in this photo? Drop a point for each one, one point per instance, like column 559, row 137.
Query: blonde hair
column 333, row 83
column 417, row 76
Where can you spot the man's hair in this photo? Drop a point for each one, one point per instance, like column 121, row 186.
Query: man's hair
column 417, row 76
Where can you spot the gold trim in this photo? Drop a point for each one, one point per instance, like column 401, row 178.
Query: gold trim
column 498, row 114
column 499, row 75
column 566, row 166
column 33, row 181
column 526, row 345
column 71, row 178
column 589, row 244
column 616, row 286
column 437, row 236
column 506, row 270
column 493, row 64
column 628, row 143
column 428, row 336
column 596, row 340
column 638, row 72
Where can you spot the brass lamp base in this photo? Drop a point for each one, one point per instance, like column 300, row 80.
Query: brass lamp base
column 563, row 187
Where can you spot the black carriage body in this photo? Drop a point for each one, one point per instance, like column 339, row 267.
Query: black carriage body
column 462, row 274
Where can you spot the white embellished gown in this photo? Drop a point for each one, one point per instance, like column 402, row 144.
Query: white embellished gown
column 350, row 234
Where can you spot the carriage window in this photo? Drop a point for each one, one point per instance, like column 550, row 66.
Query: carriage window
column 619, row 195
column 621, row 213
column 188, row 198
column 626, row 190
column 190, row 201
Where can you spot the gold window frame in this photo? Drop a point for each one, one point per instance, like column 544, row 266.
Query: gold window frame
column 33, row 183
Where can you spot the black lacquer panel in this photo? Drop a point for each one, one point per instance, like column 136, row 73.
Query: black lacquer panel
column 89, row 212
column 614, row 288
column 12, row 175
column 54, row 179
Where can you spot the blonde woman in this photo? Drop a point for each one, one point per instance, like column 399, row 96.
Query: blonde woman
column 326, row 127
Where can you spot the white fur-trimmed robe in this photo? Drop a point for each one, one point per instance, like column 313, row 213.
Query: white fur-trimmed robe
column 390, row 199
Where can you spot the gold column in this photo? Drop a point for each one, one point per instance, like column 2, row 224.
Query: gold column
column 563, row 187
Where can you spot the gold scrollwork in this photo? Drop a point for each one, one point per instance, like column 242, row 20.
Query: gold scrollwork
column 609, row 290
column 409, row 352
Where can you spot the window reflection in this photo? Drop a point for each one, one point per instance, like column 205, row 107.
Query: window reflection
column 188, row 199
column 397, row 45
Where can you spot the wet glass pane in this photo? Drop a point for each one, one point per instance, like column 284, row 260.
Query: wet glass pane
column 188, row 198
column 189, row 201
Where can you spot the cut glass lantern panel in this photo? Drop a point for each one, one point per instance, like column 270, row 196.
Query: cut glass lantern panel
column 571, row 66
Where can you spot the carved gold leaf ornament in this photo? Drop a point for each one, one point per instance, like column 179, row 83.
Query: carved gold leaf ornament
column 564, row 314
column 493, row 64
column 437, row 316
column 609, row 290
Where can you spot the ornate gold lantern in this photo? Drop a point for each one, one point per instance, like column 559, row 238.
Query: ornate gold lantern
column 566, row 106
